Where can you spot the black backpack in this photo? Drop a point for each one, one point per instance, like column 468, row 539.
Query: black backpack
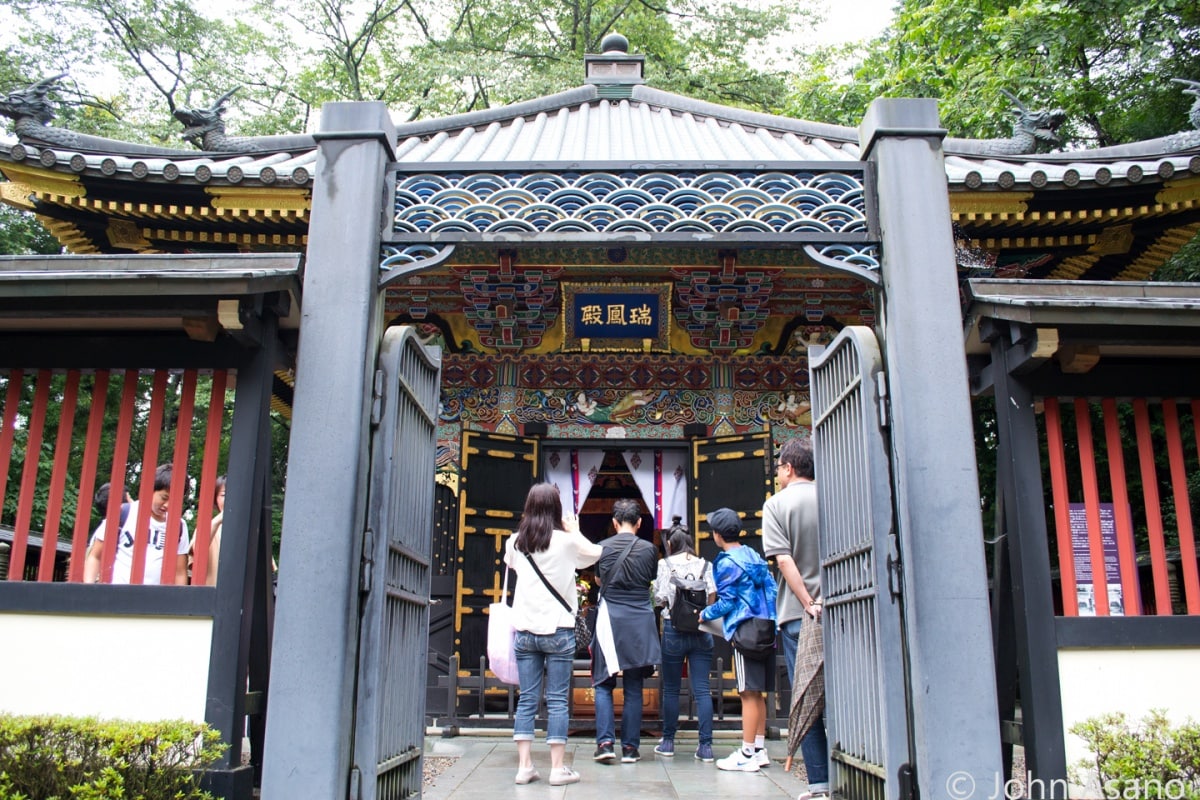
column 691, row 596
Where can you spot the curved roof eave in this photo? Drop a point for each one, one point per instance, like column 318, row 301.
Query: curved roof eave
column 585, row 125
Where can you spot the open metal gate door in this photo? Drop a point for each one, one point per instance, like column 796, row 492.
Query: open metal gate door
column 497, row 471
column 389, row 725
column 866, row 699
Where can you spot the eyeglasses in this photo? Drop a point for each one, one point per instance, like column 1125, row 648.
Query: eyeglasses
column 780, row 465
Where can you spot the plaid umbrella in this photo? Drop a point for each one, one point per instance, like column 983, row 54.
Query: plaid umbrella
column 808, row 687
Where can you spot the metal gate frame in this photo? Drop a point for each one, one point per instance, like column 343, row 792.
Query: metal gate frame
column 389, row 725
column 866, row 694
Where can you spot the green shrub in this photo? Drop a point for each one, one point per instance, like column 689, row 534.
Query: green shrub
column 64, row 758
column 1149, row 761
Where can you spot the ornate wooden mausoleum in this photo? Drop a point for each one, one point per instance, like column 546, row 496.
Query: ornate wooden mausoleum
column 626, row 285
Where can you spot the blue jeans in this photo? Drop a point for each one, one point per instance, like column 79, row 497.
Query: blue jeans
column 814, row 747
column 553, row 653
column 631, row 712
column 698, row 649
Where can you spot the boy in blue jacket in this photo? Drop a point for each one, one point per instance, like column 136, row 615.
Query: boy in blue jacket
column 745, row 589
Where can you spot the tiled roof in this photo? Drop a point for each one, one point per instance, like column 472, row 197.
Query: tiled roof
column 563, row 130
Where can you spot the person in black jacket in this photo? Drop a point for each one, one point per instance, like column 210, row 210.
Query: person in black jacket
column 626, row 639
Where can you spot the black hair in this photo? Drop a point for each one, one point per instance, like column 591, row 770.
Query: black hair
column 680, row 542
column 100, row 500
column 798, row 454
column 162, row 477
column 626, row 511
column 543, row 513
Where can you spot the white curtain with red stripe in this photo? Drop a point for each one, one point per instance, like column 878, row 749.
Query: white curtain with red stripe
column 573, row 471
column 661, row 477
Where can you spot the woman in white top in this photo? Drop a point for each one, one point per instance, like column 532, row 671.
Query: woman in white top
column 696, row 647
column 545, row 621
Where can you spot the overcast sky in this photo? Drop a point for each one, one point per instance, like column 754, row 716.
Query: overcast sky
column 853, row 21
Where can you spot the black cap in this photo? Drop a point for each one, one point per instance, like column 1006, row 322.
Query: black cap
column 726, row 522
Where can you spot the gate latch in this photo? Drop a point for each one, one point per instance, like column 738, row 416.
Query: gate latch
column 368, row 561
column 895, row 580
column 881, row 395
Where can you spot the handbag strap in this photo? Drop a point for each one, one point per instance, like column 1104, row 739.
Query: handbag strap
column 553, row 591
column 504, row 588
column 620, row 560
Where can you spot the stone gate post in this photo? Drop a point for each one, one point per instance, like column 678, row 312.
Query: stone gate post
column 955, row 722
column 313, row 662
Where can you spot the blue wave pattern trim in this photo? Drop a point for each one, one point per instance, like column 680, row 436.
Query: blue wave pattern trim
column 598, row 202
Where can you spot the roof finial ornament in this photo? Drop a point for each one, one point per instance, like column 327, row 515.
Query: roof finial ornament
column 615, row 69
column 1192, row 88
column 205, row 127
column 1033, row 132
column 614, row 43
column 30, row 108
column 1034, row 129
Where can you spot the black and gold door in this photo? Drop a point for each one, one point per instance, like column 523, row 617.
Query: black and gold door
column 731, row 472
column 734, row 472
column 497, row 471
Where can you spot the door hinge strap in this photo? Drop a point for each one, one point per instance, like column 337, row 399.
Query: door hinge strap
column 881, row 392
column 377, row 398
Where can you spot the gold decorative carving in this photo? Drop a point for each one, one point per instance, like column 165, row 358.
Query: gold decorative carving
column 251, row 199
column 988, row 205
column 44, row 182
column 124, row 233
column 16, row 194
column 448, row 479
column 1113, row 240
column 1184, row 191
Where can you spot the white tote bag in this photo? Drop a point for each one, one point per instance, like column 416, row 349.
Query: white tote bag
column 502, row 660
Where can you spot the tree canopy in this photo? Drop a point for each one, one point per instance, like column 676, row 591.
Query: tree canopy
column 1107, row 63
column 139, row 60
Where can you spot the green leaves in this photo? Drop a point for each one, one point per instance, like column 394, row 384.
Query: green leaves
column 90, row 759
column 21, row 234
column 1151, row 759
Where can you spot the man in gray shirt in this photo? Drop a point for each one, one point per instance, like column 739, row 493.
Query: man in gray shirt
column 790, row 537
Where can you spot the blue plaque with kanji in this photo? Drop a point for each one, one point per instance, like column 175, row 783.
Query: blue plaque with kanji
column 616, row 317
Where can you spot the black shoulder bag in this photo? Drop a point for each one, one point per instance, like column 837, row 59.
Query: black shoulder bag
column 583, row 633
column 691, row 596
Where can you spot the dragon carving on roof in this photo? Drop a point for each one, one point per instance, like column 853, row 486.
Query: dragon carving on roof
column 205, row 128
column 1033, row 132
column 1189, row 139
column 31, row 111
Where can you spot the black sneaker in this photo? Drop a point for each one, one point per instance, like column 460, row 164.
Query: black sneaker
column 629, row 754
column 604, row 752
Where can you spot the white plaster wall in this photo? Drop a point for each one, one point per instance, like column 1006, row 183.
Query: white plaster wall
column 1133, row 681
column 117, row 667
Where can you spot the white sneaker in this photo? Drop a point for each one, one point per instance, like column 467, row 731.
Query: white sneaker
column 527, row 775
column 737, row 761
column 562, row 776
column 762, row 757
